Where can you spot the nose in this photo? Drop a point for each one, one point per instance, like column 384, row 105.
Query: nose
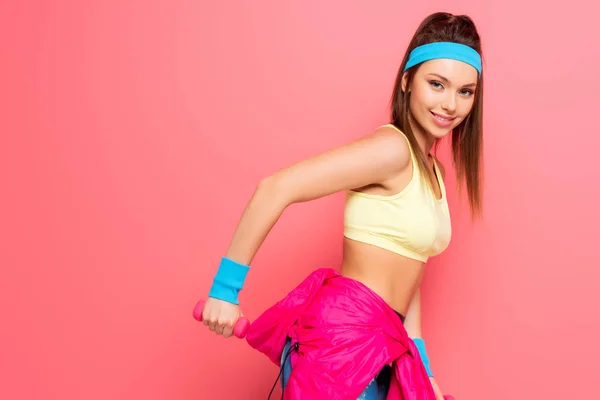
column 449, row 103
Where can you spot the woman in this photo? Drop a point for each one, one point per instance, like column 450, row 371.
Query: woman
column 356, row 333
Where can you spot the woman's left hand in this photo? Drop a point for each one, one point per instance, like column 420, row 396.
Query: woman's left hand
column 436, row 390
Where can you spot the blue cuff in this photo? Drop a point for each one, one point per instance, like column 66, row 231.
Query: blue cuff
column 228, row 281
column 420, row 343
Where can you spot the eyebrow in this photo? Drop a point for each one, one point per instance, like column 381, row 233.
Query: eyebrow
column 448, row 82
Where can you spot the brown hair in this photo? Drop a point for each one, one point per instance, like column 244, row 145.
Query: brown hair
column 467, row 137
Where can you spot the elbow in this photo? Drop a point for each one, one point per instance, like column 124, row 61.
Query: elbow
column 271, row 189
column 267, row 185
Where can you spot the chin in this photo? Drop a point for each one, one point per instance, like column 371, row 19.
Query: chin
column 440, row 133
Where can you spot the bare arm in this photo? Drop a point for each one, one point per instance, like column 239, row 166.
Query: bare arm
column 373, row 159
column 412, row 322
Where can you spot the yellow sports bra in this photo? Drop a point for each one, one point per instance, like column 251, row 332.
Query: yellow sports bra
column 413, row 222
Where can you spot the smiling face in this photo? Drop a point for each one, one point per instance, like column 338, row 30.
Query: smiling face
column 442, row 94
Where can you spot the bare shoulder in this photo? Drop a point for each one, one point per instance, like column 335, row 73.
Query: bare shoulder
column 373, row 158
column 392, row 146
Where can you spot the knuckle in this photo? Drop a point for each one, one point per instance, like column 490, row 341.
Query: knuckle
column 224, row 322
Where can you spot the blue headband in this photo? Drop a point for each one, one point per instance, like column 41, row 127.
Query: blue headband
column 455, row 51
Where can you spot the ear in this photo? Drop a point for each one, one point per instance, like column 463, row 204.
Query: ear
column 404, row 82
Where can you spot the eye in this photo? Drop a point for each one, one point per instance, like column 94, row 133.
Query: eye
column 436, row 85
column 466, row 92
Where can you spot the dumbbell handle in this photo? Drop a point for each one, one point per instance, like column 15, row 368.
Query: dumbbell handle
column 239, row 330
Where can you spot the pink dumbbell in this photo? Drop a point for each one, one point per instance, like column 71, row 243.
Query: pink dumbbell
column 448, row 397
column 239, row 330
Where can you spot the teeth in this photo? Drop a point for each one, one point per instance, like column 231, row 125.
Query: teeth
column 442, row 119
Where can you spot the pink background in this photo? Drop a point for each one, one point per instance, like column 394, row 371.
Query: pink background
column 133, row 134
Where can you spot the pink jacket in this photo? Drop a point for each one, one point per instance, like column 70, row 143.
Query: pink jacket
column 346, row 334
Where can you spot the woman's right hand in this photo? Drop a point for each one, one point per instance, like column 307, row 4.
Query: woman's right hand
column 220, row 316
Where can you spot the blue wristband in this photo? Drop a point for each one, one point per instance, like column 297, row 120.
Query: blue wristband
column 228, row 281
column 420, row 343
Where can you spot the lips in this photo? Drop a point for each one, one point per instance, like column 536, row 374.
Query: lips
column 442, row 116
column 441, row 120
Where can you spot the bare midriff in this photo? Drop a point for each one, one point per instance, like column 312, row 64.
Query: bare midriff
column 394, row 277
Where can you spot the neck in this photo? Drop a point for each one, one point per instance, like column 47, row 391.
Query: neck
column 424, row 139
